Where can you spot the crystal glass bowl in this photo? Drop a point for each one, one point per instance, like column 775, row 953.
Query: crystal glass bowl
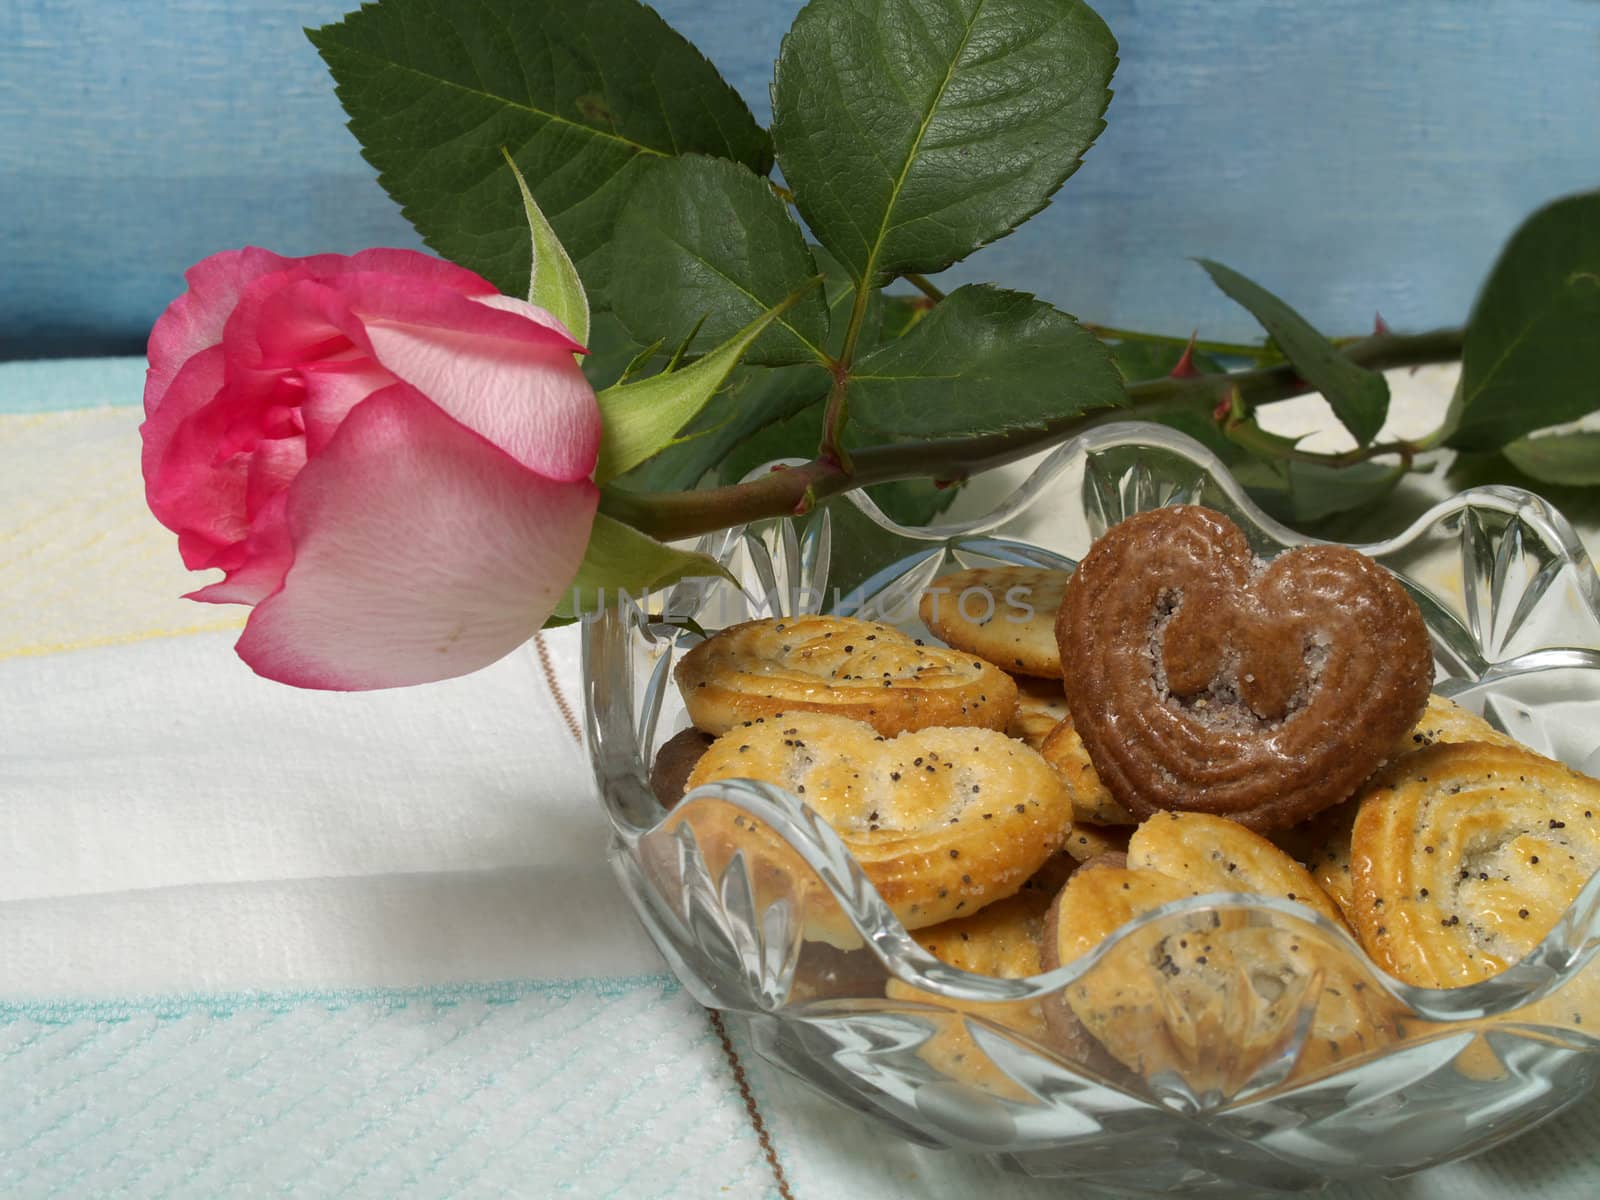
column 1247, row 1100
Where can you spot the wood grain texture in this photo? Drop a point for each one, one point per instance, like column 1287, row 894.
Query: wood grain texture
column 1352, row 157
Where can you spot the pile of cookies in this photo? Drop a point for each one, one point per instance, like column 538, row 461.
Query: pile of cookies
column 1176, row 718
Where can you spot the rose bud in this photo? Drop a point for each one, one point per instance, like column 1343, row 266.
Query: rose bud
column 388, row 459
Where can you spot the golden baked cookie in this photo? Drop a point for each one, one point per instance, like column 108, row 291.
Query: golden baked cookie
column 1202, row 678
column 1049, row 879
column 1210, row 998
column 1041, row 706
column 1323, row 843
column 1464, row 856
column 1121, row 1001
column 1091, row 800
column 1003, row 941
column 1214, row 854
column 852, row 668
column 1088, row 842
column 942, row 821
column 1004, row 614
column 1445, row 721
column 669, row 774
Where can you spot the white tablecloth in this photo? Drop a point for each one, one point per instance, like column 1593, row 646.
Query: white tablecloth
column 255, row 940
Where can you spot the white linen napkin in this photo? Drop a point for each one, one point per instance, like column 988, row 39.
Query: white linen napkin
column 195, row 827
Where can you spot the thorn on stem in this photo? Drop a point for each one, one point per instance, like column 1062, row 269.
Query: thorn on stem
column 1230, row 409
column 1380, row 327
column 1185, row 368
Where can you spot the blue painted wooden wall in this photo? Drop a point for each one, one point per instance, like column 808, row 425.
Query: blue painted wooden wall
column 1358, row 155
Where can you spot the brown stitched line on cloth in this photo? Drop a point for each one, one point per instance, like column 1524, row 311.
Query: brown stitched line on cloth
column 554, row 685
column 751, row 1108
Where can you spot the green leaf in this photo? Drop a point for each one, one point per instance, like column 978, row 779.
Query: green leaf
column 1263, row 443
column 586, row 94
column 1359, row 397
column 913, row 133
column 1187, row 418
column 1566, row 458
column 752, row 399
column 709, row 238
column 1531, row 357
column 611, row 351
column 682, row 350
column 756, row 398
column 793, row 436
column 554, row 284
column 639, row 361
column 886, row 317
column 1317, row 491
column 639, row 419
column 983, row 361
column 621, row 559
column 859, row 549
column 914, row 501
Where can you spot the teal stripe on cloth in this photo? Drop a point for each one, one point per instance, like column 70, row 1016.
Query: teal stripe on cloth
column 226, row 1004
column 583, row 1087
column 59, row 385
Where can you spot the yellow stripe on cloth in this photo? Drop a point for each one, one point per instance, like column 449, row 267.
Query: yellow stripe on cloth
column 82, row 561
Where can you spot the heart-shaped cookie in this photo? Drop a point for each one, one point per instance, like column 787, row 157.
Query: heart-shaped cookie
column 860, row 669
column 942, row 821
column 1203, row 678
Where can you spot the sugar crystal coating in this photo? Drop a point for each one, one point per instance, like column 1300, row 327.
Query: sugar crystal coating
column 1202, row 678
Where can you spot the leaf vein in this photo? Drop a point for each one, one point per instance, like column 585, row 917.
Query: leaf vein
column 916, row 143
column 553, row 118
column 760, row 304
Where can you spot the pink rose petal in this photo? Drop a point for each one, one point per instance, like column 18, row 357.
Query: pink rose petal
column 421, row 552
column 195, row 319
column 332, row 389
column 531, row 399
column 255, row 566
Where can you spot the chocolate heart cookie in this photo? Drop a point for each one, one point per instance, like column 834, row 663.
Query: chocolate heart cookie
column 1201, row 677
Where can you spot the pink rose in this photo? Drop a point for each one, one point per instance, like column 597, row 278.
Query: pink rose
column 387, row 458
